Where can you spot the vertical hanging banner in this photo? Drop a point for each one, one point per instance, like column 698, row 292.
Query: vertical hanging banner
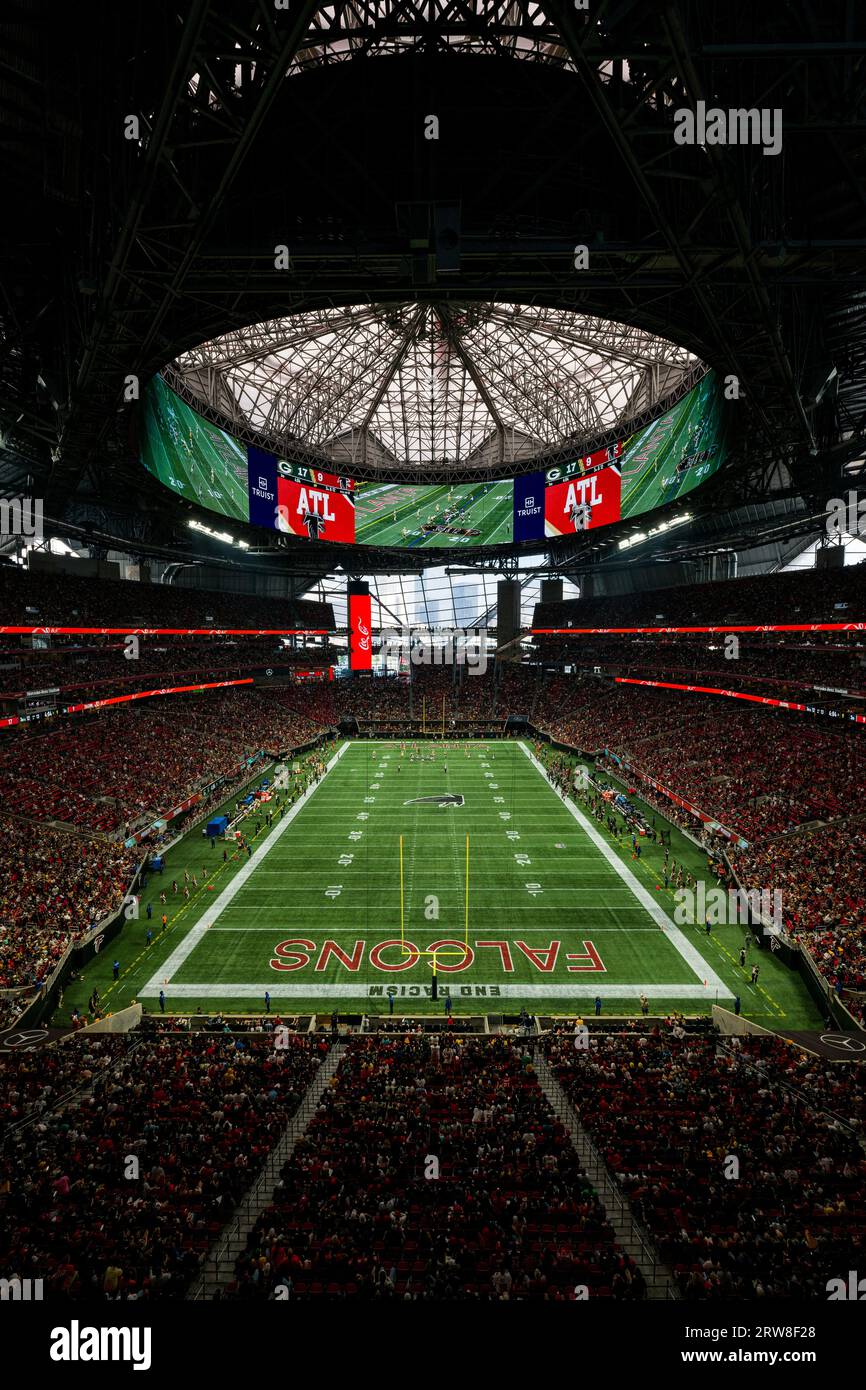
column 360, row 638
column 262, row 487
column 529, row 507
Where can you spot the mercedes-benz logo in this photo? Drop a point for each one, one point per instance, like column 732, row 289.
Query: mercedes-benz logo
column 22, row 1039
column 269, row 671
column 844, row 1042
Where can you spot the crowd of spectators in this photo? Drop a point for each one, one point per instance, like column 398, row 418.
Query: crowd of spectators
column 124, row 1158
column 78, row 791
column 102, row 669
column 781, row 666
column 197, row 1114
column 107, row 772
column 508, row 1213
column 821, row 874
column 757, row 771
column 835, row 1089
column 749, row 1189
column 791, row 790
column 54, row 880
column 809, row 596
column 53, row 887
column 34, row 1083
column 68, row 600
column 386, row 704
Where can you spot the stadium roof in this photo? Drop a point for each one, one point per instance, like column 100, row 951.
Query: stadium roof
column 341, row 32
column 425, row 384
column 557, row 127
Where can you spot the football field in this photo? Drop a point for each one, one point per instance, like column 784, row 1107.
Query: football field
column 553, row 917
column 390, row 514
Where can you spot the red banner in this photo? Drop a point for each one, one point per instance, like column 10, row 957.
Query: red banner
column 736, row 695
column 608, row 631
column 316, row 513
column 360, row 639
column 581, row 504
column 148, row 694
column 168, row 631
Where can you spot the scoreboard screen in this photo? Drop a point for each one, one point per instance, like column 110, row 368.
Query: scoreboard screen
column 664, row 460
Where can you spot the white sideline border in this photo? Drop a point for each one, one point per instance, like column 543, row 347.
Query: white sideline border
column 186, row 947
column 678, row 940
column 277, row 990
column 362, row 990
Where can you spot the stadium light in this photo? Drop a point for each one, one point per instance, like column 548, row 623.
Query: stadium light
column 218, row 535
column 640, row 536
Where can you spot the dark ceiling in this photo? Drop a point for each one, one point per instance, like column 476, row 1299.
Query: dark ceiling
column 119, row 254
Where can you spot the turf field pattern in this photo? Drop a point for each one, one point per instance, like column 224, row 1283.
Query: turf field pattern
column 201, row 462
column 557, row 912
column 649, row 461
column 384, row 512
column 192, row 456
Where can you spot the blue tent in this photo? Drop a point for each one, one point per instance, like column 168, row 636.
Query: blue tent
column 217, row 826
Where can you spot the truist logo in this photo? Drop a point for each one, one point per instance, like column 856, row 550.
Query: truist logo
column 77, row 1343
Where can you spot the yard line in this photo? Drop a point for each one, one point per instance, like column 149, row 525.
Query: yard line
column 211, row 913
column 579, row 932
column 690, row 955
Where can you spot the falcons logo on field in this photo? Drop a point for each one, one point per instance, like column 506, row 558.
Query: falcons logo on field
column 446, row 799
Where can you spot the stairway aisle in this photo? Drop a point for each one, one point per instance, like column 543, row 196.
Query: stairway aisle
column 633, row 1240
column 219, row 1265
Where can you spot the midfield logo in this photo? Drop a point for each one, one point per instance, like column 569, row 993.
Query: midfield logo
column 446, row 799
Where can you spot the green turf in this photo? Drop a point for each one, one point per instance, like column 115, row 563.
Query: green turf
column 193, row 457
column 329, row 873
column 394, row 515
column 649, row 459
column 203, row 463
